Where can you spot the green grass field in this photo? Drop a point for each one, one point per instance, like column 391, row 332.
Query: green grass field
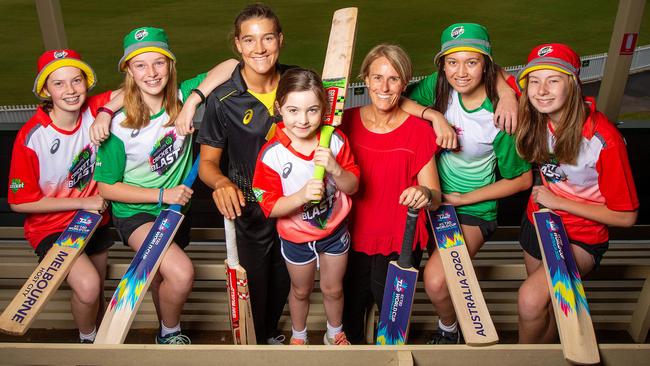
column 198, row 31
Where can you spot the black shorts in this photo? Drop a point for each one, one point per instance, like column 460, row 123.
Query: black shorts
column 127, row 225
column 487, row 227
column 529, row 243
column 100, row 241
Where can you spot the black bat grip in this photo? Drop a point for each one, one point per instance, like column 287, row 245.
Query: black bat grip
column 405, row 255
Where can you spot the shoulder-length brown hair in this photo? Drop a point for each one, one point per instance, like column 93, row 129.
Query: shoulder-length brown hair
column 443, row 88
column 532, row 131
column 137, row 112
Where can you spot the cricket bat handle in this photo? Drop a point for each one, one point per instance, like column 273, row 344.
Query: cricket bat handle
column 189, row 180
column 231, row 242
column 325, row 139
column 404, row 260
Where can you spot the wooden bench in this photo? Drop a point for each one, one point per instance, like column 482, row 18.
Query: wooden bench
column 618, row 293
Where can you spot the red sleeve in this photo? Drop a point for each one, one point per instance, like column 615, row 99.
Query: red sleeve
column 426, row 147
column 512, row 81
column 23, row 173
column 97, row 101
column 615, row 178
column 267, row 186
column 345, row 157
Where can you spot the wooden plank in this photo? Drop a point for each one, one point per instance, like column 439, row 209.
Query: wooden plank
column 640, row 323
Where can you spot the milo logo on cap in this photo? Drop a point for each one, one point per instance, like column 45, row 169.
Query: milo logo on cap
column 139, row 35
column 60, row 54
column 457, row 32
column 544, row 51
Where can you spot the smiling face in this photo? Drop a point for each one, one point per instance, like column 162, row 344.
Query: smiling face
column 464, row 71
column 259, row 45
column 301, row 113
column 548, row 91
column 384, row 85
column 150, row 71
column 67, row 88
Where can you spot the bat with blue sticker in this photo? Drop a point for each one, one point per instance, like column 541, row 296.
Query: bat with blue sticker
column 49, row 274
column 399, row 290
column 568, row 297
column 133, row 286
column 466, row 295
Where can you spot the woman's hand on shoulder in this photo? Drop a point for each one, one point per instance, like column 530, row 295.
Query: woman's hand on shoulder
column 416, row 197
column 179, row 195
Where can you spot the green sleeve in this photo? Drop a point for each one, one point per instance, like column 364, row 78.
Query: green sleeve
column 186, row 86
column 111, row 161
column 424, row 92
column 511, row 165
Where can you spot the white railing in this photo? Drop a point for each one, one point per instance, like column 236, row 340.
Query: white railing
column 593, row 68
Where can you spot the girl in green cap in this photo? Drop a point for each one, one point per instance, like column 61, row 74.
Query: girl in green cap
column 467, row 96
column 143, row 162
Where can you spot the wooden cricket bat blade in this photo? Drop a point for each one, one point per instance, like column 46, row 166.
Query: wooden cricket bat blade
column 466, row 295
column 567, row 294
column 21, row 312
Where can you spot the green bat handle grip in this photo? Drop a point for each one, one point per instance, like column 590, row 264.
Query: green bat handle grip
column 325, row 138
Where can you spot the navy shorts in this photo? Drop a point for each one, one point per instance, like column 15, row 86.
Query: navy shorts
column 127, row 225
column 529, row 243
column 100, row 241
column 337, row 243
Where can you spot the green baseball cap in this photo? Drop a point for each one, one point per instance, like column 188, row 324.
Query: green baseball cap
column 464, row 37
column 145, row 39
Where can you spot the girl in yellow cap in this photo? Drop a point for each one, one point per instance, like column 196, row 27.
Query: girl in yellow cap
column 143, row 162
column 465, row 91
column 51, row 176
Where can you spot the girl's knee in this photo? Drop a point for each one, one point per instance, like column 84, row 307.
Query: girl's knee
column 532, row 301
column 332, row 292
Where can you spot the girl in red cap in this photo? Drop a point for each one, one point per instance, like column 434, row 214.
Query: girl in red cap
column 51, row 176
column 584, row 169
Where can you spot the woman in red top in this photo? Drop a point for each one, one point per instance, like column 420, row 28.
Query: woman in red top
column 395, row 152
column 585, row 172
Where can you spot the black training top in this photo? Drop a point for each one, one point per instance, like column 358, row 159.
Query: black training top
column 239, row 123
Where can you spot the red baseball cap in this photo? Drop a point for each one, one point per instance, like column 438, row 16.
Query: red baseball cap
column 553, row 56
column 52, row 60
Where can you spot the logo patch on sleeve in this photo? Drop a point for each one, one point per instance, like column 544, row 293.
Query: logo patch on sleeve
column 16, row 184
column 259, row 193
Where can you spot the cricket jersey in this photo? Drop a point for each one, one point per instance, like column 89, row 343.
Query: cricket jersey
column 481, row 148
column 601, row 175
column 240, row 123
column 153, row 156
column 283, row 171
column 50, row 162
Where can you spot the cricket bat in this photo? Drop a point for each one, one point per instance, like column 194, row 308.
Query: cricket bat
column 568, row 297
column 134, row 284
column 336, row 72
column 399, row 290
column 49, row 274
column 241, row 316
column 471, row 310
